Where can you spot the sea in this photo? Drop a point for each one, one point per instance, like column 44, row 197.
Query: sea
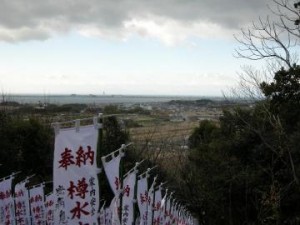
column 99, row 99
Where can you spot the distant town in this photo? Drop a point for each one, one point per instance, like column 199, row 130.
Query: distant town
column 161, row 117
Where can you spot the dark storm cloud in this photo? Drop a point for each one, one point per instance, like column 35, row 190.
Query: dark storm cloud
column 36, row 19
column 229, row 13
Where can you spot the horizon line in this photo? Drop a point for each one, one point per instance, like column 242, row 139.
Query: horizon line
column 109, row 95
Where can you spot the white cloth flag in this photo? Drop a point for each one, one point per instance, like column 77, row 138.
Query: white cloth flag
column 142, row 199
column 127, row 200
column 162, row 210
column 167, row 213
column 37, row 205
column 114, row 208
column 156, row 207
column 181, row 216
column 150, row 204
column 102, row 215
column 49, row 207
column 75, row 180
column 7, row 212
column 22, row 204
column 108, row 216
column 172, row 211
column 175, row 213
column 112, row 172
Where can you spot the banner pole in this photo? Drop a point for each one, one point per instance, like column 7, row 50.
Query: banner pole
column 12, row 175
column 99, row 149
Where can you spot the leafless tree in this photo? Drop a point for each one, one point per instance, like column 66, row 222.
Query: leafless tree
column 274, row 38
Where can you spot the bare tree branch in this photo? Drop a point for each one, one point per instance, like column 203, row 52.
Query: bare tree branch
column 274, row 39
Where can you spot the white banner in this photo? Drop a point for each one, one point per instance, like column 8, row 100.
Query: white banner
column 114, row 208
column 167, row 211
column 22, row 204
column 75, row 180
column 150, row 203
column 108, row 216
column 156, row 207
column 37, row 205
column 102, row 215
column 142, row 199
column 174, row 212
column 127, row 200
column 7, row 212
column 163, row 209
column 111, row 169
column 49, row 207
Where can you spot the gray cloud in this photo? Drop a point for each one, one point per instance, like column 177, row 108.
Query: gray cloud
column 34, row 19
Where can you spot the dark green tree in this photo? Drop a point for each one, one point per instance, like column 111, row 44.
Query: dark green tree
column 245, row 170
column 284, row 96
column 26, row 146
column 113, row 135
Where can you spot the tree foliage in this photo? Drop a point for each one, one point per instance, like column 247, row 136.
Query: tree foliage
column 284, row 95
column 241, row 171
column 113, row 135
column 246, row 170
column 26, row 146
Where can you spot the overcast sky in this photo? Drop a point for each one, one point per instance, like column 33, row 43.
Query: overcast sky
column 152, row 47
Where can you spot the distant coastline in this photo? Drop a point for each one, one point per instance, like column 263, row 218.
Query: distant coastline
column 98, row 99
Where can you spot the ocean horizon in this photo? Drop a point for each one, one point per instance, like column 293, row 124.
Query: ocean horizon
column 98, row 99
